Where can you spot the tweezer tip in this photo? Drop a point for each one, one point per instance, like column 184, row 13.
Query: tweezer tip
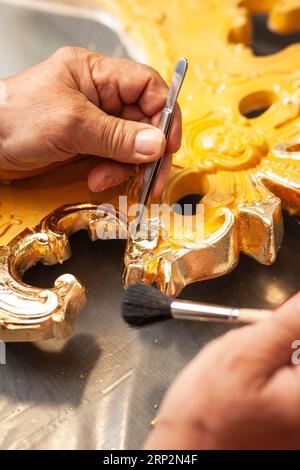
column 182, row 65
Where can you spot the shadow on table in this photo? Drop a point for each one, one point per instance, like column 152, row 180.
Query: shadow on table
column 49, row 372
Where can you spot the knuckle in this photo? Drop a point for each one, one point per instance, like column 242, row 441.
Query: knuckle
column 70, row 57
column 69, row 52
column 148, row 73
column 98, row 60
column 152, row 73
column 157, row 80
column 64, row 54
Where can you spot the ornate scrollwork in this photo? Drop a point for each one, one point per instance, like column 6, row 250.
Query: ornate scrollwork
column 244, row 168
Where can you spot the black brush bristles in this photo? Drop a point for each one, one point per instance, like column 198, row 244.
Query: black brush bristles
column 144, row 304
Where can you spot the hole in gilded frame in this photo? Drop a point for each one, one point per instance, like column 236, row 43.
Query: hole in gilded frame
column 257, row 103
column 187, row 205
column 259, row 37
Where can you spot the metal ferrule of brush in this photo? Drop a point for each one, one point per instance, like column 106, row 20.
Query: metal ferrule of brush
column 188, row 310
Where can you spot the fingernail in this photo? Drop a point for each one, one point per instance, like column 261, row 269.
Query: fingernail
column 106, row 183
column 149, row 141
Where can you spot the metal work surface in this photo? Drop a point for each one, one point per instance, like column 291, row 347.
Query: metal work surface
column 101, row 388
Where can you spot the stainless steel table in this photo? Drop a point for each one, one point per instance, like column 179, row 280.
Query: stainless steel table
column 100, row 389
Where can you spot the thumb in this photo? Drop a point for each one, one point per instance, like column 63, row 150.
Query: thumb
column 126, row 141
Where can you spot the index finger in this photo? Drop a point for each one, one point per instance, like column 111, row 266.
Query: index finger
column 136, row 83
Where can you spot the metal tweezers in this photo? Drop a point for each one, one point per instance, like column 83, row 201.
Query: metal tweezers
column 152, row 169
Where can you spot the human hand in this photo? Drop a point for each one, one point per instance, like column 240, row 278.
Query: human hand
column 81, row 103
column 242, row 391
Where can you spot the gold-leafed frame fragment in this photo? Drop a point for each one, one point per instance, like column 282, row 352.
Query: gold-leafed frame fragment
column 244, row 168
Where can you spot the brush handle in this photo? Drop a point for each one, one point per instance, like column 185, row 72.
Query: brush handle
column 187, row 310
column 253, row 315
